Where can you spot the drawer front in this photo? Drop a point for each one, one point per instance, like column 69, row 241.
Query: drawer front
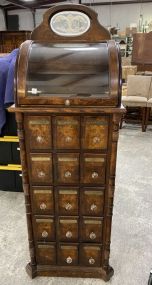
column 93, row 169
column 92, row 201
column 46, row 254
column 68, row 255
column 90, row 255
column 67, row 201
column 43, row 200
column 38, row 129
column 95, row 132
column 67, row 132
column 67, row 168
column 68, row 229
column 91, row 230
column 44, row 229
column 41, row 168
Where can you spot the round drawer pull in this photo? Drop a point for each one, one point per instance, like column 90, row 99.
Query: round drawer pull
column 68, row 206
column 96, row 140
column 69, row 260
column 92, row 235
column 42, row 206
column 93, row 207
column 39, row 139
column 68, row 234
column 45, row 234
column 91, row 260
column 68, row 139
column 41, row 174
column 67, row 102
column 67, row 174
column 95, row 175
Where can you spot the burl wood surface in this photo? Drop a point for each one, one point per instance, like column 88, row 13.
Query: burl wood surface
column 68, row 155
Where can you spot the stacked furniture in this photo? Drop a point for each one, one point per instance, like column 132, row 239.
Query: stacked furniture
column 10, row 40
column 142, row 57
column 10, row 166
column 68, row 109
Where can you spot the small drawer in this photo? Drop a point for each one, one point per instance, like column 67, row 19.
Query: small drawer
column 67, row 201
column 67, row 132
column 68, row 229
column 90, row 255
column 95, row 132
column 67, row 168
column 46, row 254
column 93, row 169
column 43, row 200
column 38, row 130
column 44, row 229
column 92, row 201
column 41, row 168
column 68, row 255
column 91, row 230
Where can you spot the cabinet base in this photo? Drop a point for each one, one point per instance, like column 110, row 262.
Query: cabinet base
column 72, row 271
column 31, row 270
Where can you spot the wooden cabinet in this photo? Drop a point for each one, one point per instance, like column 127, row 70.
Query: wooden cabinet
column 68, row 113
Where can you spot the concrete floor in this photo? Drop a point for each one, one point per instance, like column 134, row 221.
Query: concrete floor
column 131, row 247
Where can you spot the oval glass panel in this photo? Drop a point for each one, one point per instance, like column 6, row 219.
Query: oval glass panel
column 70, row 23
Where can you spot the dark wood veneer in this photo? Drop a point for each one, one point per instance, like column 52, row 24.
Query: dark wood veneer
column 68, row 154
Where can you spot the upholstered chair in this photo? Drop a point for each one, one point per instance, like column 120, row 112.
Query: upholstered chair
column 149, row 105
column 138, row 87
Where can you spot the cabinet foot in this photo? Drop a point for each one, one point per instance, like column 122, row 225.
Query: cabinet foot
column 107, row 274
column 31, row 270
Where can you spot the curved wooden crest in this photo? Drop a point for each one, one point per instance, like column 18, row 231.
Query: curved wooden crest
column 95, row 33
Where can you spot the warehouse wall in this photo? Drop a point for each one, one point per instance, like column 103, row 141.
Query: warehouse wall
column 115, row 15
column 123, row 15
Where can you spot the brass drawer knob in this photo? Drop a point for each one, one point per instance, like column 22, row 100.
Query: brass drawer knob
column 68, row 139
column 39, row 139
column 68, row 206
column 45, row 234
column 42, row 206
column 93, row 207
column 96, row 140
column 67, row 174
column 69, row 260
column 91, row 260
column 68, row 234
column 92, row 235
column 67, row 102
column 95, row 175
column 41, row 174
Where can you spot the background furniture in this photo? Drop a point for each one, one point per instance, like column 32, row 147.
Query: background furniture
column 128, row 70
column 142, row 57
column 68, row 103
column 138, row 88
column 10, row 40
column 10, row 165
column 149, row 105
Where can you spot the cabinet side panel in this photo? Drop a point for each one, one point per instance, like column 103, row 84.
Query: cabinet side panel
column 26, row 188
